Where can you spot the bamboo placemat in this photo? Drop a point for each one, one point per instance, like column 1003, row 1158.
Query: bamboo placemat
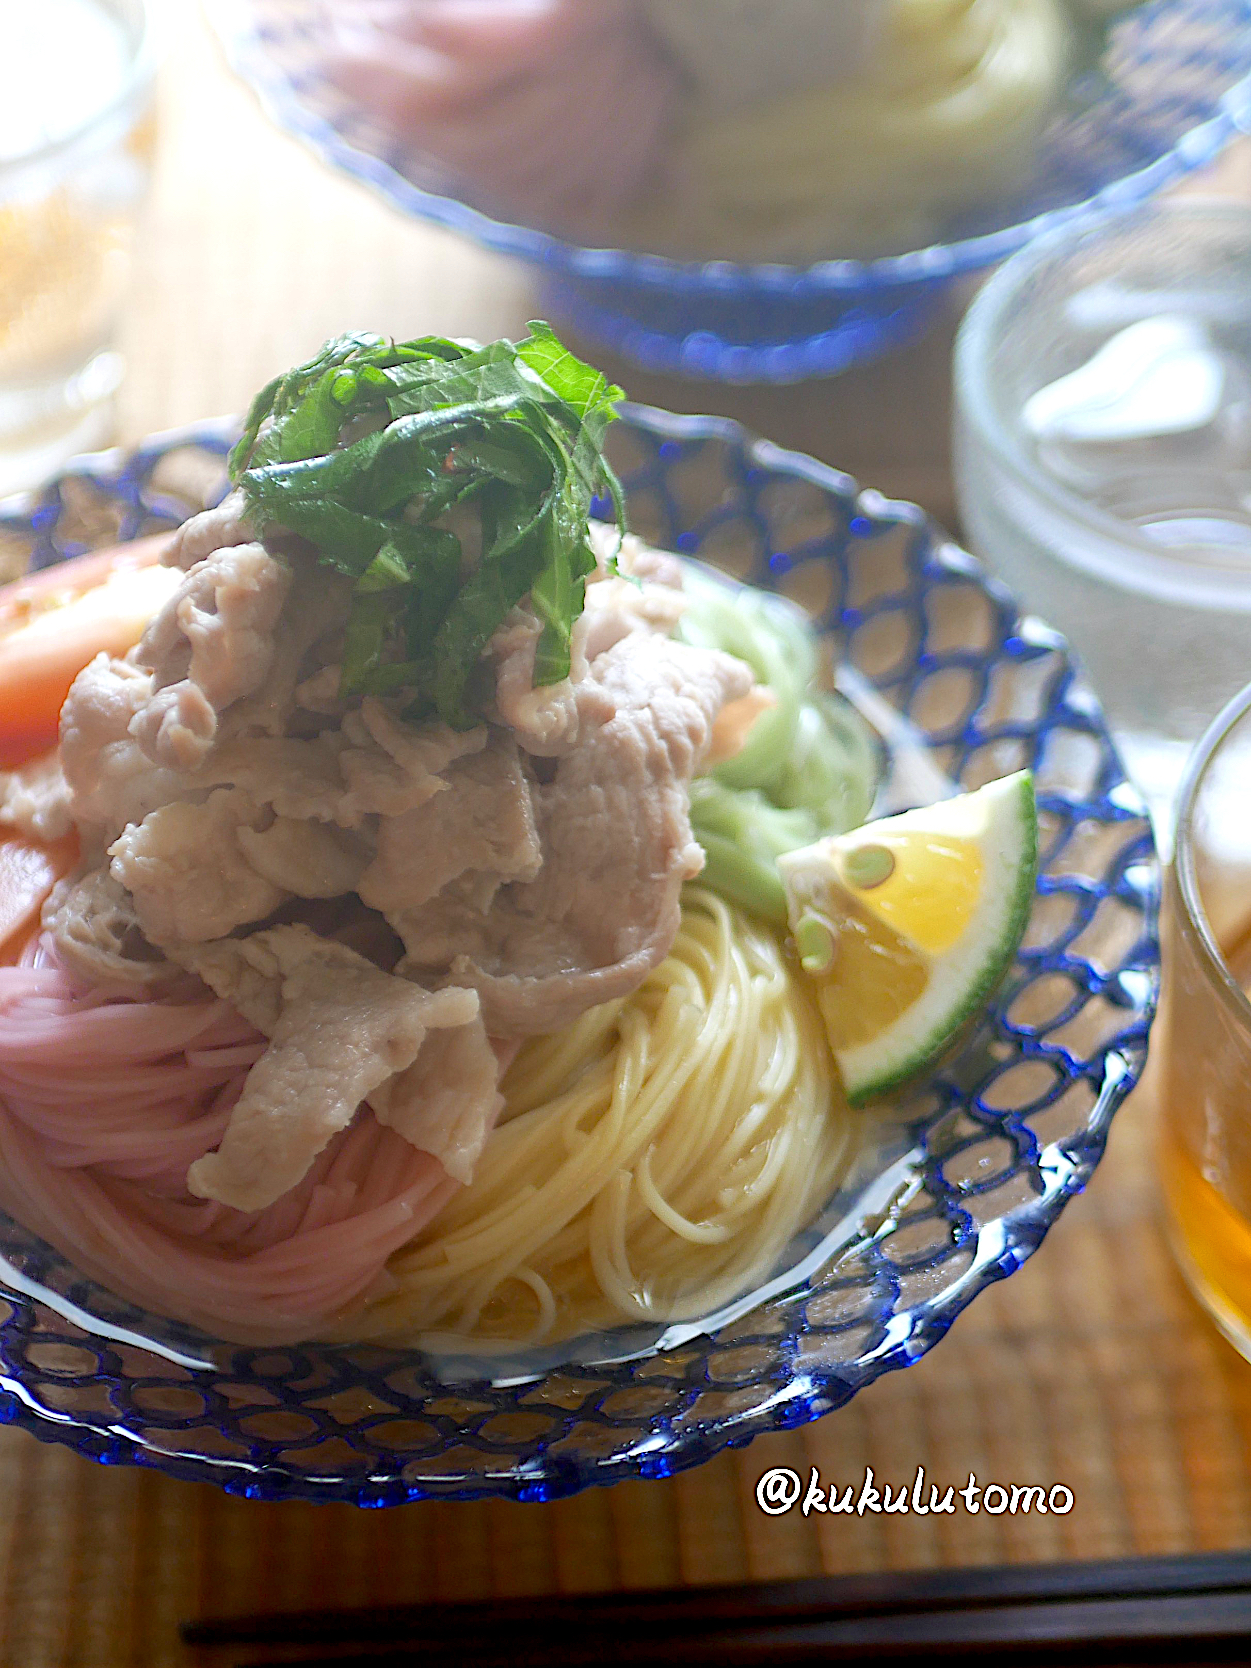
column 1090, row 1368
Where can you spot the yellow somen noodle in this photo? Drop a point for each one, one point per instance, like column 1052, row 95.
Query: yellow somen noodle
column 655, row 1160
column 946, row 115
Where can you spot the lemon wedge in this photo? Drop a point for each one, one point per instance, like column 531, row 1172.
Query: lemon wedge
column 906, row 925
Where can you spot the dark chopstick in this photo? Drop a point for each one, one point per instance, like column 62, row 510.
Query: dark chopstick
column 1194, row 1609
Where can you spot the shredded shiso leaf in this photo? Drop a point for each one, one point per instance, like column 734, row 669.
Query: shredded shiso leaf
column 450, row 482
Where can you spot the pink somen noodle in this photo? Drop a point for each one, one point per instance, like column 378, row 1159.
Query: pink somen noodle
column 552, row 111
column 107, row 1098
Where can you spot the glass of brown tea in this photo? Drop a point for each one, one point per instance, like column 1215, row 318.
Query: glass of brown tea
column 1205, row 1025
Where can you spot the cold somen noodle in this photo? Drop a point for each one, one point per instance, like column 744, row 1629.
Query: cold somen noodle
column 948, row 114
column 658, row 1156
column 379, row 1005
column 106, row 1099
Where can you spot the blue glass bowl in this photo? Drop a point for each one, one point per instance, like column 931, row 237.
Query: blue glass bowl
column 1172, row 87
column 956, row 1187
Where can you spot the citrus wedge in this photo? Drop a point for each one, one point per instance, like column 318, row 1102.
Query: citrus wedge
column 906, row 926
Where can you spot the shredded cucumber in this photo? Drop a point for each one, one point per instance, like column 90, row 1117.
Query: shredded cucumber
column 809, row 768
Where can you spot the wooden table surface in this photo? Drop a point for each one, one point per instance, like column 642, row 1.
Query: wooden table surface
column 1091, row 1367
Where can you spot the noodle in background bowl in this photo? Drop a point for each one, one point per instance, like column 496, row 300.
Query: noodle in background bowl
column 955, row 1187
column 1172, row 88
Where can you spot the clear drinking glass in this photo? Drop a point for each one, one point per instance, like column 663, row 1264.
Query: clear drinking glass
column 1205, row 1025
column 76, row 138
column 1135, row 542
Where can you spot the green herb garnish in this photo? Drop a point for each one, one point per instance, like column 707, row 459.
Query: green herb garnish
column 450, row 482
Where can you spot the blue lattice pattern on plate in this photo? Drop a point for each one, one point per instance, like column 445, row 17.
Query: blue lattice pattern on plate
column 992, row 1146
column 1172, row 87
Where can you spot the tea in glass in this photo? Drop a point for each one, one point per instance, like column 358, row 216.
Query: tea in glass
column 76, row 133
column 1206, row 1026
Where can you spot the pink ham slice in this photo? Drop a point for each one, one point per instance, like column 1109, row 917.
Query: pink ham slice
column 342, row 1032
column 615, row 833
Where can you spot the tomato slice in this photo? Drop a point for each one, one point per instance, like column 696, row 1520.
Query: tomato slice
column 51, row 624
column 54, row 622
column 28, row 872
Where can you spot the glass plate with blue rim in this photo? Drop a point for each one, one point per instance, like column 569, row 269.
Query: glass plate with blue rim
column 955, row 1186
column 1171, row 86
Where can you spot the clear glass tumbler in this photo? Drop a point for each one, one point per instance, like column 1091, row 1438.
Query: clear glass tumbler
column 76, row 139
column 1205, row 1025
column 1133, row 534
